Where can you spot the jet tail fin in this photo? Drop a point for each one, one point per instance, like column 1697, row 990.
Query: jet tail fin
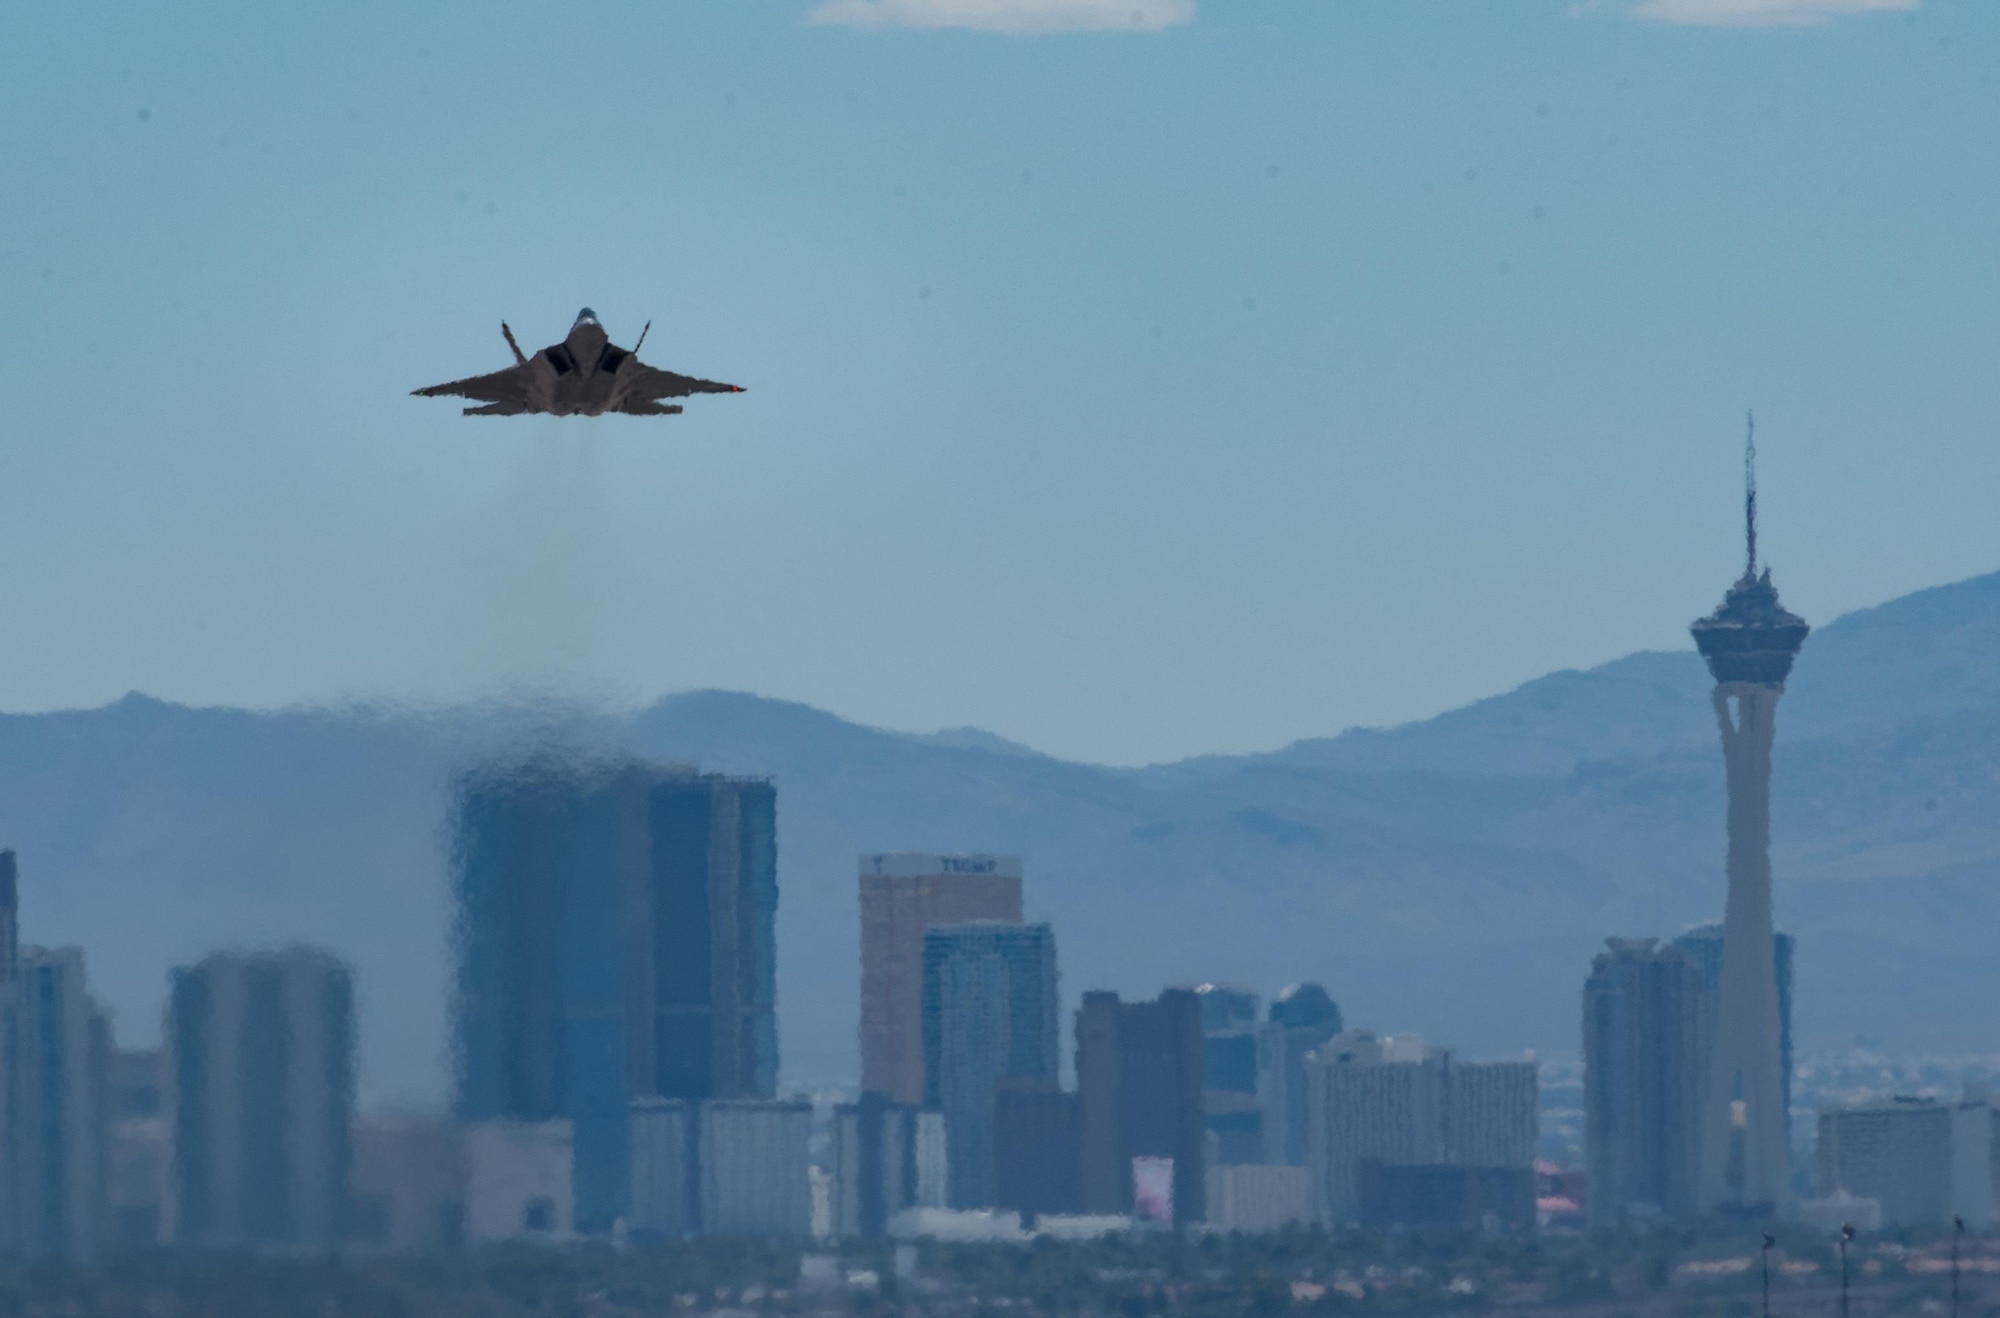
column 519, row 357
column 642, row 338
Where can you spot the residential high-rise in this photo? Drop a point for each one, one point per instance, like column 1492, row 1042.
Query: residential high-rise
column 260, row 1100
column 1749, row 643
column 1649, row 1030
column 903, row 894
column 1139, row 1095
column 989, row 1013
column 55, row 1043
column 616, row 939
column 1648, row 1025
column 1376, row 1104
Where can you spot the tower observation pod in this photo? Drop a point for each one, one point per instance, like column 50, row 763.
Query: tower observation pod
column 1749, row 643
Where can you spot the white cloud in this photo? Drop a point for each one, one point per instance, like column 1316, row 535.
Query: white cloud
column 1761, row 13
column 1019, row 17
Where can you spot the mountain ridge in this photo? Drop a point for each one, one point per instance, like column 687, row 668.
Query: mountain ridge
column 1452, row 875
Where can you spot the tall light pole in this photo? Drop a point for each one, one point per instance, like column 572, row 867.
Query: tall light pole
column 1846, row 1234
column 1769, row 1240
column 1957, row 1230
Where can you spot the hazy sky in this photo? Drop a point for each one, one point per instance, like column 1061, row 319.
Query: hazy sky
column 1134, row 378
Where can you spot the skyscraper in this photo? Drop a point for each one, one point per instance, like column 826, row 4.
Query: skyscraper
column 616, row 939
column 55, row 1047
column 1253, row 1071
column 1648, row 1025
column 1232, row 1041
column 1302, row 1017
column 55, row 1044
column 260, row 1100
column 902, row 895
column 1749, row 643
column 989, row 1013
column 1139, row 1092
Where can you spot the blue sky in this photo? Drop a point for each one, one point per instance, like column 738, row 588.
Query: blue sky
column 1132, row 388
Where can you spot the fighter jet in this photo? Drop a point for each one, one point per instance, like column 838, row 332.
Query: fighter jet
column 584, row 375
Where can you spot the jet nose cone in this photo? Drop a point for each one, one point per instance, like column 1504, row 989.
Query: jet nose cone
column 586, row 315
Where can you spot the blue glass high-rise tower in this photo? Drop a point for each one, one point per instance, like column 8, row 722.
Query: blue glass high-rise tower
column 616, row 938
column 989, row 1009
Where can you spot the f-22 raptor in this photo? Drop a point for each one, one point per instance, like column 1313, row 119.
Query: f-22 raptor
column 584, row 375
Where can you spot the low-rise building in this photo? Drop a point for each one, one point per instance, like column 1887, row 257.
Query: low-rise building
column 735, row 1168
column 409, row 1184
column 754, row 1156
column 887, row 1156
column 1919, row 1159
column 1387, row 1113
column 520, row 1181
column 1257, row 1197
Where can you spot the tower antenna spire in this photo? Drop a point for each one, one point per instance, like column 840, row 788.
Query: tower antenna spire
column 1750, row 495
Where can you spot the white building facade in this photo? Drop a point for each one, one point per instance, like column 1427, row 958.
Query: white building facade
column 1396, row 1104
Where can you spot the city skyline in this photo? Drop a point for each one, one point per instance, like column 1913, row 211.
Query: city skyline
column 576, row 866
column 1098, row 779
column 1629, row 714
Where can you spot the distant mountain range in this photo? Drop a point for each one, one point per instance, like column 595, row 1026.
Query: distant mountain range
column 1452, row 876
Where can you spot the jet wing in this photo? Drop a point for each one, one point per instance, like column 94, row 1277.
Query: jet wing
column 504, row 387
column 650, row 383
